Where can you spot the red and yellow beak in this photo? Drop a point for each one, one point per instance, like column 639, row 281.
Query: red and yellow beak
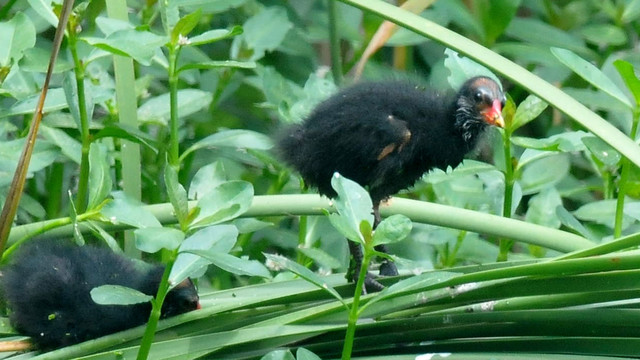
column 493, row 115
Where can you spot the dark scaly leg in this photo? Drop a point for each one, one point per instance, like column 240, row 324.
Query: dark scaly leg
column 387, row 267
column 370, row 283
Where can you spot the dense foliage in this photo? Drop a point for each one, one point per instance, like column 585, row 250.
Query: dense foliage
column 160, row 117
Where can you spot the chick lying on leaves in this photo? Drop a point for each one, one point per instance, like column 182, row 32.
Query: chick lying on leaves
column 47, row 289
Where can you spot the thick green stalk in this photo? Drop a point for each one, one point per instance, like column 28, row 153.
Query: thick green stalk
column 54, row 189
column 174, row 144
column 624, row 178
column 419, row 211
column 347, row 349
column 83, row 181
column 156, row 311
column 124, row 75
column 509, row 180
column 334, row 39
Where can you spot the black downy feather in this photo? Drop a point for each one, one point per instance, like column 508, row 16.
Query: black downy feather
column 47, row 288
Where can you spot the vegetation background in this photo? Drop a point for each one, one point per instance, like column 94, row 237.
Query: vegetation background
column 156, row 103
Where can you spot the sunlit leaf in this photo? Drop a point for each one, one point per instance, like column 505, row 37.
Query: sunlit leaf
column 233, row 264
column 217, row 238
column 124, row 210
column 152, row 239
column 590, row 73
column 224, row 202
column 100, row 182
column 16, row 36
column 528, row 110
column 118, row 295
column 177, row 194
column 392, row 229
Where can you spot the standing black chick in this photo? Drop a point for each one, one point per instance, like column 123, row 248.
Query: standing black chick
column 47, row 288
column 386, row 135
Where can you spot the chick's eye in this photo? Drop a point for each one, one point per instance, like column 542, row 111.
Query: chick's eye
column 478, row 96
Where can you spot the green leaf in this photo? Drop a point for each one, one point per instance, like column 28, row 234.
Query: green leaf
column 304, row 354
column 217, row 239
column 127, row 132
column 606, row 154
column 124, row 210
column 215, row 35
column 224, row 202
column 528, row 110
column 69, row 146
column 219, row 64
column 604, row 34
column 631, row 11
column 534, row 31
column 628, row 74
column 118, row 295
column 542, row 208
column 185, row 25
column 590, row 73
column 158, row 109
column 236, row 138
column 320, row 257
column 462, row 69
column 43, row 8
column 345, row 228
column 55, row 101
column 544, row 172
column 152, row 239
column 568, row 220
column 495, row 16
column 100, row 182
column 262, row 32
column 136, row 44
column 16, row 36
column 303, row 272
column 353, row 205
column 207, row 178
column 177, row 195
column 233, row 264
column 278, row 355
column 392, row 229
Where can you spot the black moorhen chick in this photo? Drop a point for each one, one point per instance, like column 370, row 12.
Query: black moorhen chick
column 386, row 135
column 47, row 287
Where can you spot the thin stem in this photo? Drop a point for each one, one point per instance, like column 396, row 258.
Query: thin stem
column 347, row 349
column 302, row 233
column 624, row 178
column 174, row 149
column 83, row 181
column 334, row 39
column 54, row 189
column 509, row 180
column 156, row 311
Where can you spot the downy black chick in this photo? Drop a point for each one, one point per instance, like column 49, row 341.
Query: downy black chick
column 47, row 288
column 386, row 135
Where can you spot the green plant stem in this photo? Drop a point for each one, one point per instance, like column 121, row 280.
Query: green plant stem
column 83, row 180
column 302, row 233
column 354, row 312
column 47, row 226
column 419, row 211
column 509, row 180
column 156, row 310
column 624, row 178
column 54, row 189
column 174, row 144
column 334, row 40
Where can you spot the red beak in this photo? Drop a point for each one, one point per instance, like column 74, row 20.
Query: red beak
column 493, row 115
